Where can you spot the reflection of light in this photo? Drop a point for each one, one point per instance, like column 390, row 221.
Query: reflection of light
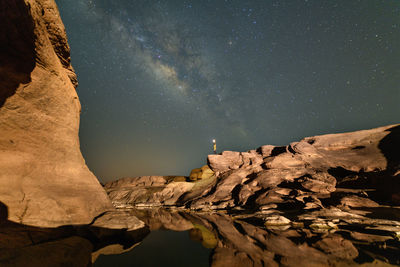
column 213, row 140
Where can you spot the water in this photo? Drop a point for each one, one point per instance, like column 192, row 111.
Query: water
column 161, row 248
column 329, row 237
column 180, row 238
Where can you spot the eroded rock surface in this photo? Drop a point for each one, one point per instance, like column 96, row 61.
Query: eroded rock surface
column 43, row 177
column 349, row 170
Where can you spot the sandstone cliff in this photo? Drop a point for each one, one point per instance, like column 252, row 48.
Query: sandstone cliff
column 349, row 170
column 43, row 177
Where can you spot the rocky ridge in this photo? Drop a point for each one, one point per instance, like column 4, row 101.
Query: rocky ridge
column 348, row 170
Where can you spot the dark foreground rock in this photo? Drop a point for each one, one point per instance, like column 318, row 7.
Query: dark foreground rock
column 345, row 171
column 69, row 245
column 44, row 180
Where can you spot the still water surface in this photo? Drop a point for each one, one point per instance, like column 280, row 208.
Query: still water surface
column 219, row 239
column 328, row 237
column 161, row 248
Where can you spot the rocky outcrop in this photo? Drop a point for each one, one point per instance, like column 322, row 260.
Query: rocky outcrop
column 309, row 174
column 349, row 170
column 147, row 191
column 201, row 173
column 43, row 177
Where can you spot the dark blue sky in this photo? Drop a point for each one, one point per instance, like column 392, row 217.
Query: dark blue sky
column 159, row 79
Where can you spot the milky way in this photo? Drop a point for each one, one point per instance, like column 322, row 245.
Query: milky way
column 160, row 79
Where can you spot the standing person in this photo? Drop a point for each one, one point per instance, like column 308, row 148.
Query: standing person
column 214, row 146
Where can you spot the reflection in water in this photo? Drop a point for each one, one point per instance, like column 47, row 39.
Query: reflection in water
column 161, row 248
column 314, row 239
column 22, row 245
column 331, row 238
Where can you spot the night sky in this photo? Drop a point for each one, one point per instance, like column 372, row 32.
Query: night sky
column 158, row 80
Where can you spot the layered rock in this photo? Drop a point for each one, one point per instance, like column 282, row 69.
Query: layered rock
column 147, row 190
column 43, row 177
column 201, row 173
column 357, row 169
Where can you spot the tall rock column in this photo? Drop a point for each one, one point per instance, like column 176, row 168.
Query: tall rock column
column 44, row 180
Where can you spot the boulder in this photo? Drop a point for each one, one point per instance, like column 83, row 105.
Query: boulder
column 201, row 173
column 228, row 160
column 118, row 219
column 44, row 180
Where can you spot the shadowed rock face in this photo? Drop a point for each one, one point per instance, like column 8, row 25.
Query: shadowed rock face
column 43, row 179
column 113, row 233
column 357, row 169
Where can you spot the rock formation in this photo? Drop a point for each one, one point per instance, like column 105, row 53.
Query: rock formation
column 43, row 177
column 349, row 170
column 147, row 190
column 201, row 173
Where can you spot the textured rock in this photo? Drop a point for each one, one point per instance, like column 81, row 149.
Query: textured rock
column 349, row 170
column 306, row 172
column 147, row 190
column 43, row 179
column 229, row 160
column 201, row 173
column 118, row 219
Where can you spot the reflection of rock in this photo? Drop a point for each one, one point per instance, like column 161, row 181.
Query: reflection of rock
column 204, row 235
column 43, row 179
column 70, row 251
column 357, row 169
column 356, row 201
column 22, row 245
column 276, row 221
column 244, row 241
column 162, row 219
column 338, row 247
column 113, row 249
